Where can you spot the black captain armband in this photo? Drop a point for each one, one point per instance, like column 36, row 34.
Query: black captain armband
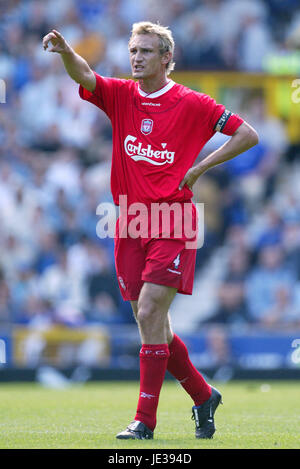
column 222, row 121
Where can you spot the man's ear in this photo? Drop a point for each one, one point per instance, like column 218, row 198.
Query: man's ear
column 167, row 56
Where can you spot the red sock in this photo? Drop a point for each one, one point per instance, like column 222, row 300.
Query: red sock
column 180, row 366
column 153, row 365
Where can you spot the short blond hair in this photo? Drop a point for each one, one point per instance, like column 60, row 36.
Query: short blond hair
column 166, row 41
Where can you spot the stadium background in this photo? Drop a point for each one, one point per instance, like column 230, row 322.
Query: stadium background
column 59, row 301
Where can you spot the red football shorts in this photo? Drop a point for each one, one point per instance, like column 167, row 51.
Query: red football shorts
column 158, row 259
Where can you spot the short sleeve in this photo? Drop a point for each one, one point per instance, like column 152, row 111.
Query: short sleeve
column 228, row 122
column 219, row 119
column 104, row 94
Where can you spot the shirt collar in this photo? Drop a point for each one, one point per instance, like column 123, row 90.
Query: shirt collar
column 156, row 94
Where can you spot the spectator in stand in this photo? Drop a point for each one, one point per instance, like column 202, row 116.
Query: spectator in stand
column 220, row 353
column 232, row 308
column 291, row 243
column 5, row 302
column 271, row 289
column 46, row 251
column 62, row 287
column 267, row 227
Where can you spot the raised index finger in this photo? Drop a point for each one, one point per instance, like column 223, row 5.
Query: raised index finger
column 57, row 33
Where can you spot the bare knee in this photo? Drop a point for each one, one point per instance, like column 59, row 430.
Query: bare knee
column 151, row 322
column 152, row 309
column 147, row 312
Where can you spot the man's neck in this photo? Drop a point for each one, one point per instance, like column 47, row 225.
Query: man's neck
column 151, row 85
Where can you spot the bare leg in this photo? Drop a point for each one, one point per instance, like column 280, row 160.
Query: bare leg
column 151, row 313
column 168, row 328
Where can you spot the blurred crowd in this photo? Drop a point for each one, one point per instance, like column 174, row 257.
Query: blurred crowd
column 254, row 206
column 209, row 34
column 55, row 162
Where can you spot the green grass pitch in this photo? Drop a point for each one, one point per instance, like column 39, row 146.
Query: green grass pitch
column 254, row 415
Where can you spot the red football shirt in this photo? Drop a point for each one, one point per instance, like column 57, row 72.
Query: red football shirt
column 156, row 137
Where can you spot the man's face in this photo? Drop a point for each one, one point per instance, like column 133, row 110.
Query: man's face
column 145, row 58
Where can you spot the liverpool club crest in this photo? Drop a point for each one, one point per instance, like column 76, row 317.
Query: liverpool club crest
column 147, row 126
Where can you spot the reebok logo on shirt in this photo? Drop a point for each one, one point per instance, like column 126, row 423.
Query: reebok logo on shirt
column 139, row 153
